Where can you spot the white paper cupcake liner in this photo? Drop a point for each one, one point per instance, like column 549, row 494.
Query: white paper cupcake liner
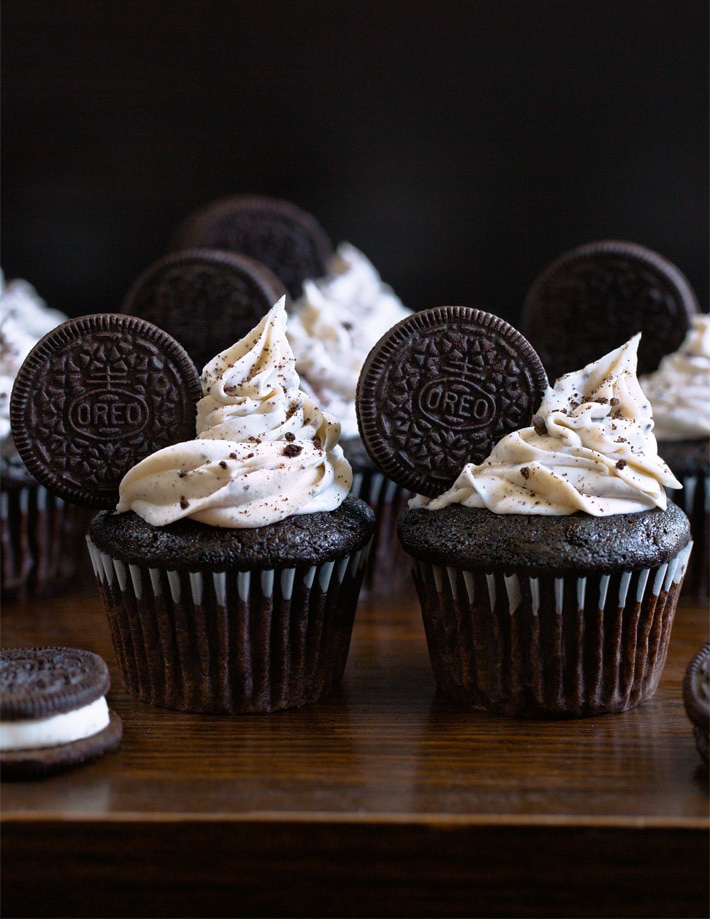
column 42, row 541
column 230, row 641
column 537, row 647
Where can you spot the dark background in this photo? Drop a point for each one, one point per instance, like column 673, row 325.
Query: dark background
column 460, row 145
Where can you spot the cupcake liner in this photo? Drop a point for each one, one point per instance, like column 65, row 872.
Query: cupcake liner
column 42, row 540
column 388, row 569
column 694, row 499
column 230, row 641
column 549, row 646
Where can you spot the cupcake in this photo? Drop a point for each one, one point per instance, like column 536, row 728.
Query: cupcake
column 548, row 573
column 42, row 535
column 332, row 327
column 679, row 392
column 231, row 566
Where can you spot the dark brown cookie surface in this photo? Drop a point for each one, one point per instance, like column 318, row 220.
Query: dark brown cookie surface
column 594, row 298
column 282, row 236
column 38, row 683
column 96, row 395
column 440, row 389
column 205, row 298
column 696, row 697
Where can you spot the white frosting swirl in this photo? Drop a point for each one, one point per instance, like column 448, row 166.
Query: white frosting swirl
column 679, row 390
column 24, row 319
column 264, row 449
column 334, row 325
column 591, row 449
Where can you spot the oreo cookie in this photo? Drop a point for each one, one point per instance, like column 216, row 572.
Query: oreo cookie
column 696, row 698
column 205, row 298
column 53, row 711
column 440, row 389
column 592, row 299
column 96, row 395
column 285, row 238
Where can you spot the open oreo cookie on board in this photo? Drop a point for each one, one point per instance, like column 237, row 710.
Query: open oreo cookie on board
column 282, row 236
column 53, row 711
column 595, row 297
column 205, row 298
column 96, row 395
column 440, row 389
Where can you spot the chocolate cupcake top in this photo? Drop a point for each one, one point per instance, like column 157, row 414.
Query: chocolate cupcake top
column 264, row 450
column 595, row 297
column 540, row 545
column 590, row 448
column 303, row 539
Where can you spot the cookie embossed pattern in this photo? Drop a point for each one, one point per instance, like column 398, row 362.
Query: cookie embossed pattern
column 96, row 395
column 439, row 389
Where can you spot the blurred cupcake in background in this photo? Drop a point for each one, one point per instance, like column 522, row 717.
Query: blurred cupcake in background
column 338, row 309
column 332, row 327
column 42, row 536
column 679, row 392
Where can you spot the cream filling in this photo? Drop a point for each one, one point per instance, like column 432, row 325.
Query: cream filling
column 36, row 733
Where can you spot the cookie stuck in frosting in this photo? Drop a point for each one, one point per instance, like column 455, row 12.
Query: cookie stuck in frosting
column 264, row 449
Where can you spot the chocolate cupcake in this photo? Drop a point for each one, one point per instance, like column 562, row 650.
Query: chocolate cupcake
column 548, row 572
column 231, row 568
column 679, row 392
column 42, row 536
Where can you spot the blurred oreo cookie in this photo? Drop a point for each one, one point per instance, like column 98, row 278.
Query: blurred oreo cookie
column 285, row 238
column 440, row 389
column 53, row 711
column 96, row 395
column 205, row 298
column 593, row 298
column 696, row 698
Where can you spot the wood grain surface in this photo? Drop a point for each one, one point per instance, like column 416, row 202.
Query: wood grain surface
column 384, row 800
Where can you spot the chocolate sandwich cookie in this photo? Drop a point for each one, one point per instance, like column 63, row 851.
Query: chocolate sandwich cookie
column 53, row 711
column 282, row 236
column 95, row 396
column 594, row 298
column 440, row 389
column 205, row 298
column 696, row 698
